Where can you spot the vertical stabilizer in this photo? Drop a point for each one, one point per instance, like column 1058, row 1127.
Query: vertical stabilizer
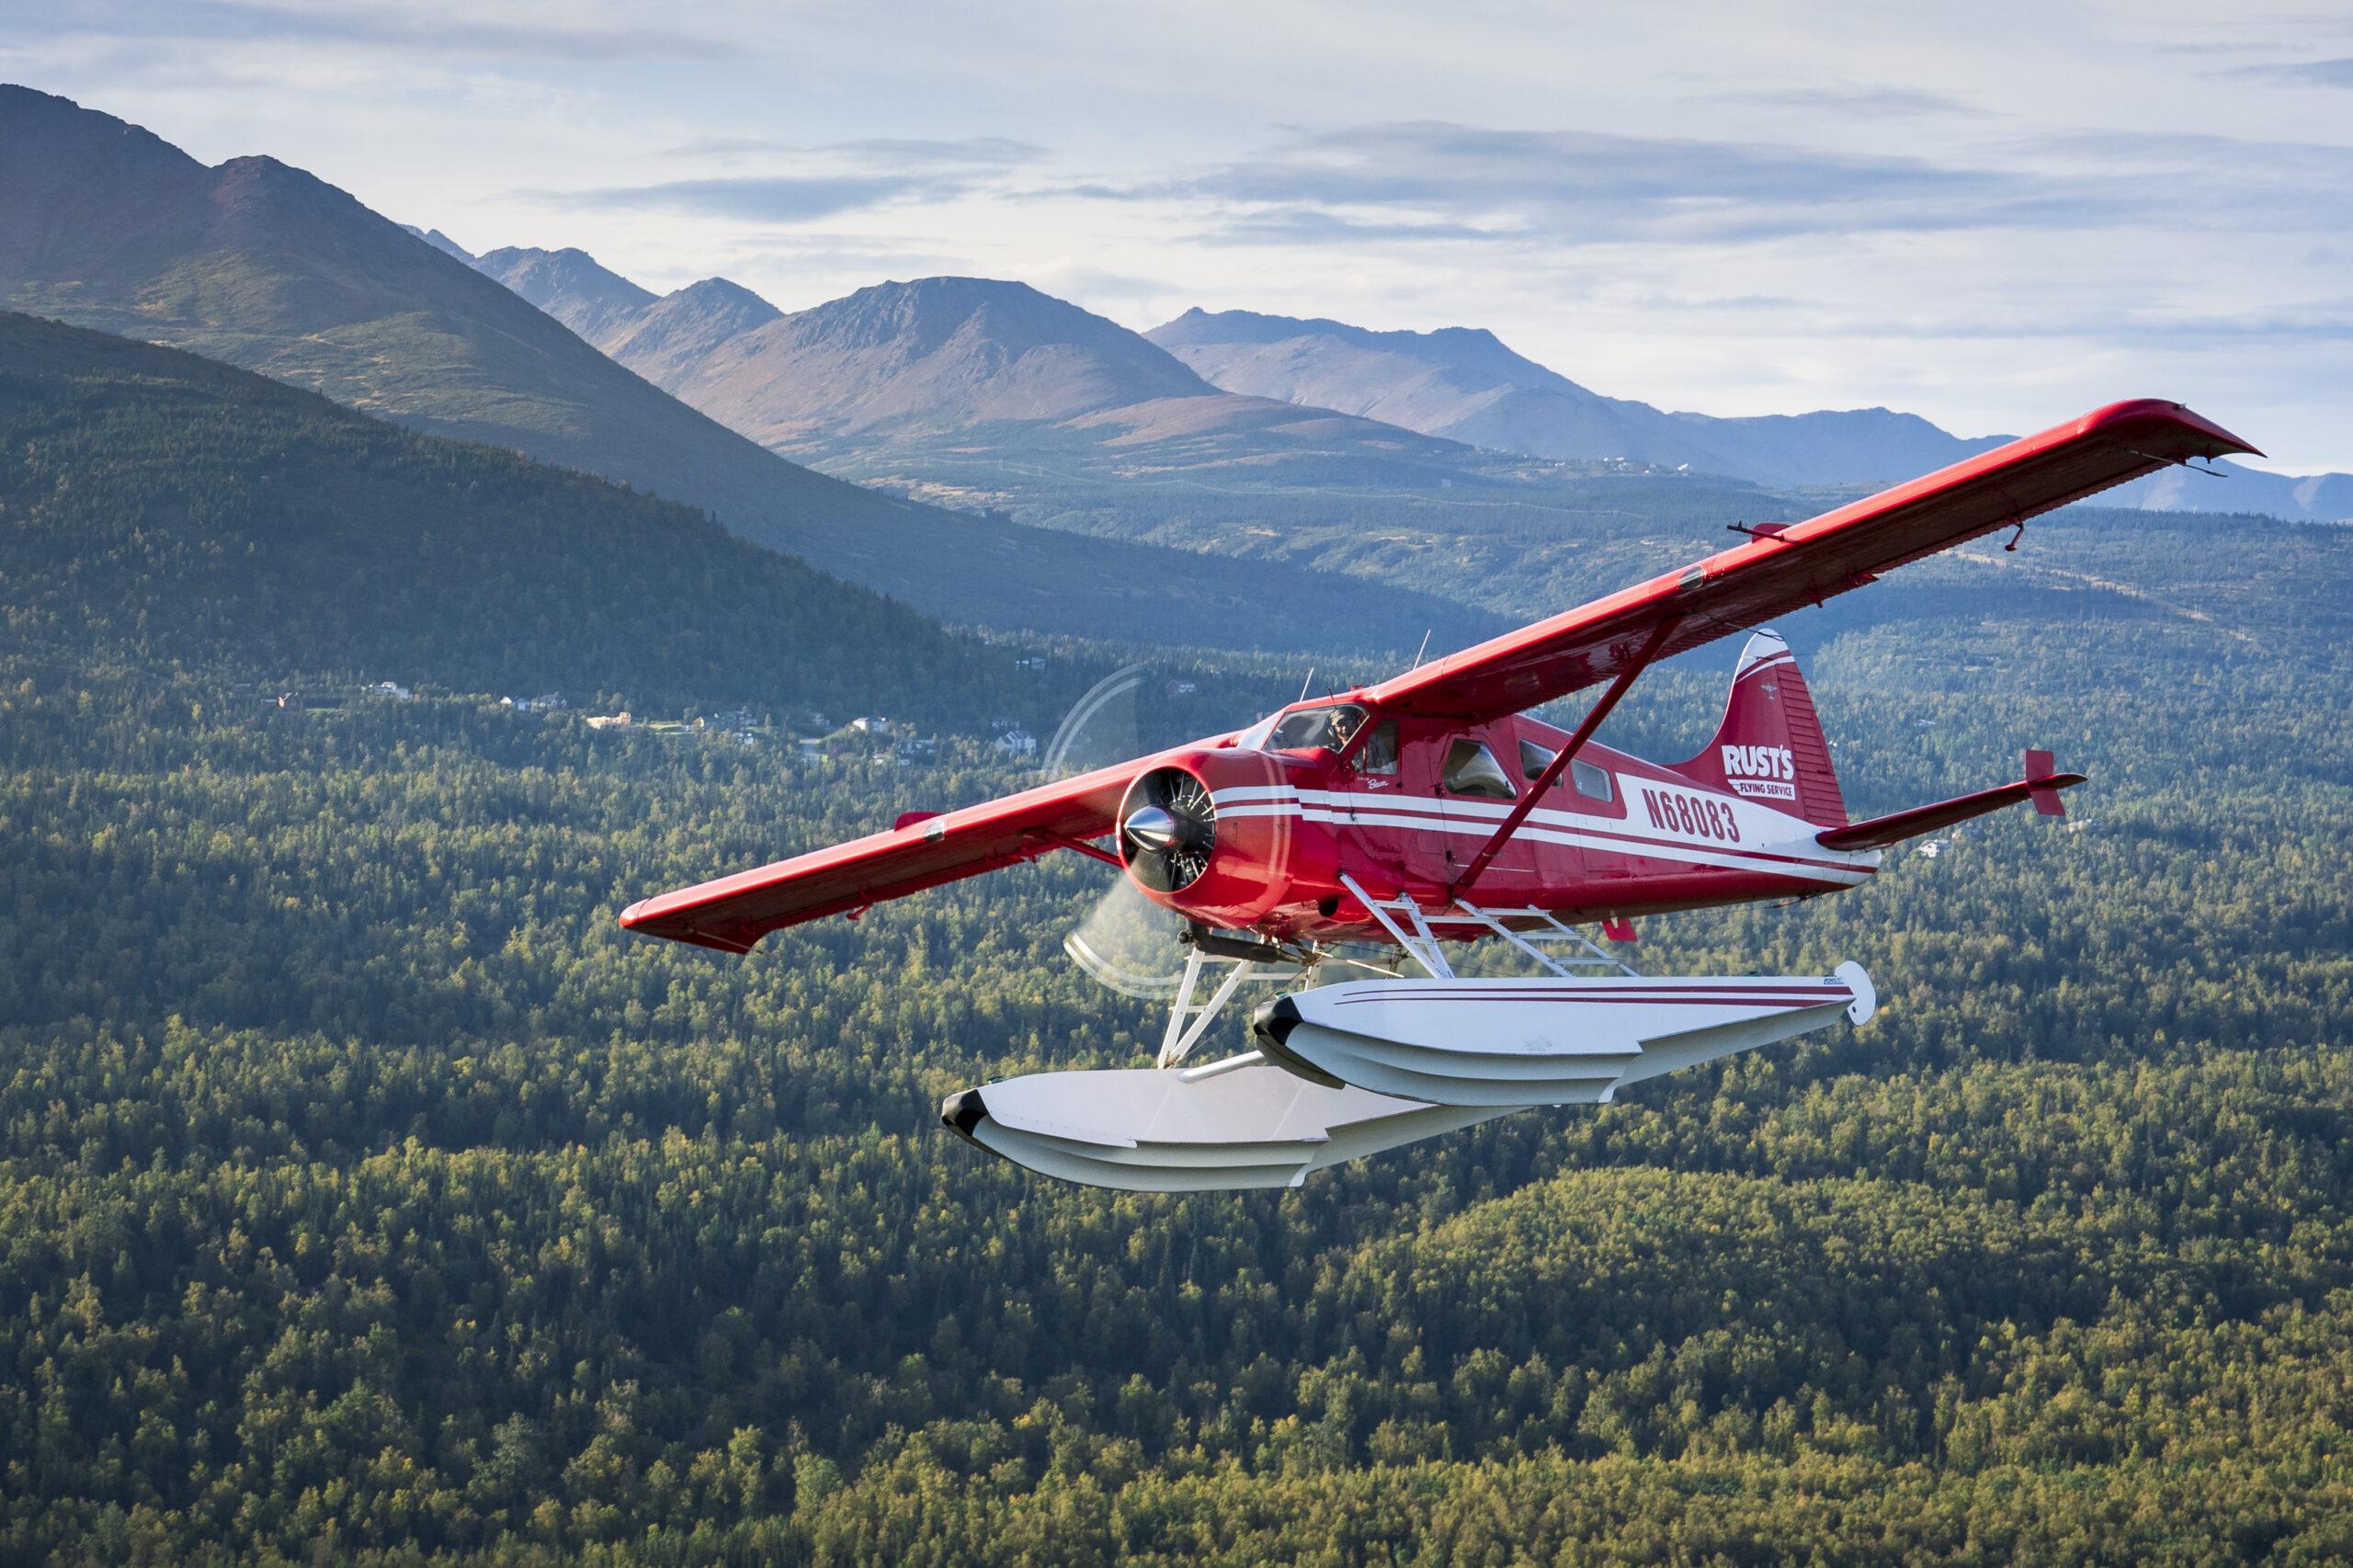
column 1771, row 748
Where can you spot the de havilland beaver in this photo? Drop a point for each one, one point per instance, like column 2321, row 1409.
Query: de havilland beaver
column 1430, row 811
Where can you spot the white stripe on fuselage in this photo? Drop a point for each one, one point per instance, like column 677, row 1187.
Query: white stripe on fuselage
column 1785, row 845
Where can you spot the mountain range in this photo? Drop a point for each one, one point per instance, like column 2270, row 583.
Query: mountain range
column 900, row 366
column 1463, row 383
column 905, row 362
column 263, row 266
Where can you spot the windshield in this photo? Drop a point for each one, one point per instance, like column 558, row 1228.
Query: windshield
column 1316, row 729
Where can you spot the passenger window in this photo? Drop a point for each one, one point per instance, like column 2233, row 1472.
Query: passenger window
column 1591, row 781
column 1378, row 757
column 1471, row 769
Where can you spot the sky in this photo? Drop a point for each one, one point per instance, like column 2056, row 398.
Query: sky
column 1994, row 216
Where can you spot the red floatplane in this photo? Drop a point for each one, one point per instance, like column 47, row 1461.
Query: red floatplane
column 1430, row 810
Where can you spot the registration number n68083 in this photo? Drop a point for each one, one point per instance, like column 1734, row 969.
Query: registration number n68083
column 1695, row 815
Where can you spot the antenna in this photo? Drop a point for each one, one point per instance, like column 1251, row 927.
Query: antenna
column 1423, row 649
column 1303, row 684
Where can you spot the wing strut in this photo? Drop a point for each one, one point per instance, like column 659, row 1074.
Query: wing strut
column 1553, row 770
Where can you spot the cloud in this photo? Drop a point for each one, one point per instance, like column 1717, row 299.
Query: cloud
column 531, row 33
column 2304, row 73
column 1311, row 225
column 765, row 199
column 1868, row 101
column 1431, row 179
column 981, row 152
column 885, row 152
column 1435, row 180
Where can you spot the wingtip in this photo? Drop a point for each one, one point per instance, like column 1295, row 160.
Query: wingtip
column 2201, row 435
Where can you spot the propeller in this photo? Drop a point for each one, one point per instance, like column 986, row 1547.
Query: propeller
column 1167, row 829
column 1126, row 942
column 1167, row 832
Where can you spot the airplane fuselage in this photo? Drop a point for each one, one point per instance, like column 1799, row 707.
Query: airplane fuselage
column 1613, row 836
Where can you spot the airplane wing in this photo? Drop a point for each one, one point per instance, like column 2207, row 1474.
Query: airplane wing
column 735, row 912
column 1806, row 562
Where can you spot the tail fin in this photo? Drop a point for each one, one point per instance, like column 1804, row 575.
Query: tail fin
column 1770, row 746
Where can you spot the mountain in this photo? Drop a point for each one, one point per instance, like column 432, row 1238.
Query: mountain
column 1465, row 384
column 441, row 242
column 2309, row 498
column 938, row 353
column 167, row 510
column 104, row 224
column 898, row 367
column 669, row 337
column 263, row 266
column 569, row 285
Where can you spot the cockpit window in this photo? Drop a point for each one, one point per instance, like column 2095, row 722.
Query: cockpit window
column 1471, row 769
column 1316, row 729
column 1378, row 755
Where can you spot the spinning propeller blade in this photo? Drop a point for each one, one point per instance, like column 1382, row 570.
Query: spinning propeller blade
column 1126, row 942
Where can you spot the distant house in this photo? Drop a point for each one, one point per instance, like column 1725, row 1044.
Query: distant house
column 812, row 747
column 921, row 750
column 1182, row 688
column 1017, row 743
column 393, row 689
column 622, row 721
column 291, row 700
column 1030, row 662
column 545, row 702
column 870, row 726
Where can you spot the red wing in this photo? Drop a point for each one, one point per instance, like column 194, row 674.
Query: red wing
column 734, row 912
column 1807, row 562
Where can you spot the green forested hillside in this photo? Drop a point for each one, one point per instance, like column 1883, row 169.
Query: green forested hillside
column 163, row 511
column 366, row 1194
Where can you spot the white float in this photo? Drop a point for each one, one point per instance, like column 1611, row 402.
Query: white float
column 1345, row 1071
column 1229, row 1125
column 1507, row 1044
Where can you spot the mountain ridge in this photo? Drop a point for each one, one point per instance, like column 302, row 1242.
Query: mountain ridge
column 167, row 508
column 263, row 266
column 1466, row 384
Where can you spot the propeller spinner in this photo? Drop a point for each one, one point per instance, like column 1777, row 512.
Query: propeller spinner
column 1167, row 829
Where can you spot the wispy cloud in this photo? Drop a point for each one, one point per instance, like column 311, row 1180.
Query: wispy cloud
column 1439, row 180
column 1314, row 225
column 1433, row 180
column 765, row 198
column 2303, row 73
column 534, row 33
column 1850, row 100
column 889, row 152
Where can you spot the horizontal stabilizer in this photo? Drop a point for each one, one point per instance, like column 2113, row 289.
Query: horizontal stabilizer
column 2040, row 786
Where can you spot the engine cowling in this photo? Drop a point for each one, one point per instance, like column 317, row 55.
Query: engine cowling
column 1217, row 836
